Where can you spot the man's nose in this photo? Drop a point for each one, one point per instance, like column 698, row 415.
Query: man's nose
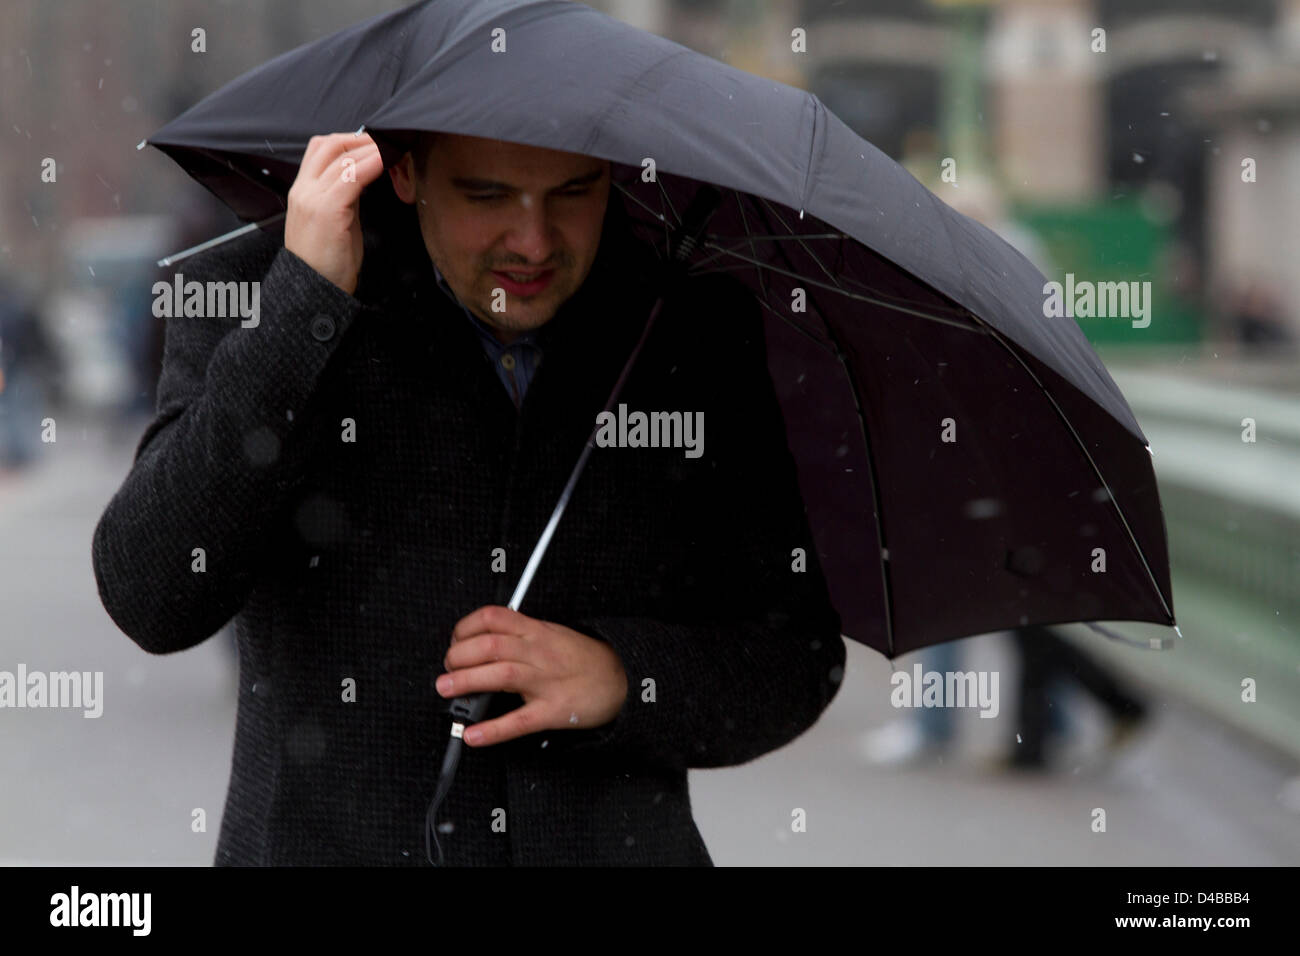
column 531, row 236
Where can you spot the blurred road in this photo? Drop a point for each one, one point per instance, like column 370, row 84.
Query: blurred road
column 121, row 789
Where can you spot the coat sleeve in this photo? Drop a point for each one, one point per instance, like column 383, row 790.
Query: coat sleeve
column 762, row 656
column 233, row 426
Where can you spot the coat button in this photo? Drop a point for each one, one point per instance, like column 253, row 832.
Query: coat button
column 322, row 328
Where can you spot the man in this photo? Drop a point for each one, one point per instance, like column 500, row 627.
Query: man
column 359, row 480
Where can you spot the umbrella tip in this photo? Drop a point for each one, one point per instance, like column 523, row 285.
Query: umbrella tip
column 141, row 144
column 360, row 130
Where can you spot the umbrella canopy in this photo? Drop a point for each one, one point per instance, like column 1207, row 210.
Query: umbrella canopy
column 967, row 462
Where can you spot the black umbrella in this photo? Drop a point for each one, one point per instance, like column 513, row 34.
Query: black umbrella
column 967, row 463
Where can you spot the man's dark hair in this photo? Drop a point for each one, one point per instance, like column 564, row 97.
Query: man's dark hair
column 424, row 142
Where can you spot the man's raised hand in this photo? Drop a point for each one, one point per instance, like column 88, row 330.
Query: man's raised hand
column 323, row 222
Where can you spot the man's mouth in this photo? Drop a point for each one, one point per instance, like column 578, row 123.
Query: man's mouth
column 525, row 283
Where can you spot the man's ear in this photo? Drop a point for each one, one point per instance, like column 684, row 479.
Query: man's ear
column 402, row 174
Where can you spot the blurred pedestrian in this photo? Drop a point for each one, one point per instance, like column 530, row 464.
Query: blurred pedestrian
column 26, row 362
column 1048, row 661
column 919, row 737
column 1257, row 319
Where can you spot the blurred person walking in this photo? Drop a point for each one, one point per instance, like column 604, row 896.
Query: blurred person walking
column 1048, row 663
column 27, row 362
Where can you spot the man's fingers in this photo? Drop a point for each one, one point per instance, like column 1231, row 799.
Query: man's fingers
column 353, row 171
column 318, row 154
column 520, row 722
column 323, row 150
column 513, row 677
column 486, row 647
column 491, row 617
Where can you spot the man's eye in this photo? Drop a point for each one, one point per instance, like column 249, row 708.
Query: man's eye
column 492, row 197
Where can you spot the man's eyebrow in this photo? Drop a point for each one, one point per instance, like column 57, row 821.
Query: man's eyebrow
column 470, row 184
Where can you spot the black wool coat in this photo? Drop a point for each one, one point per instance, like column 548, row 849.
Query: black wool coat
column 351, row 560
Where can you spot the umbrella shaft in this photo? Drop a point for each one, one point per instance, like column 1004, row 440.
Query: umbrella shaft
column 544, row 541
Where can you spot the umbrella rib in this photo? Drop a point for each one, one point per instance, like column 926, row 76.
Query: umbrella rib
column 260, row 184
column 657, row 215
column 744, row 222
column 935, row 308
column 759, row 265
column 978, row 329
column 840, row 236
column 875, row 493
column 886, row 590
column 1154, row 643
column 695, row 266
column 741, row 240
column 663, row 194
column 632, row 196
column 820, row 343
column 778, row 218
column 1097, row 471
column 815, row 235
column 218, row 240
column 801, row 238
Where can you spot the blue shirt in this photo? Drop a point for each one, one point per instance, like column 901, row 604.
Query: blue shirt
column 515, row 363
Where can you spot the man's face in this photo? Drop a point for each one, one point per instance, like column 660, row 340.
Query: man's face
column 489, row 208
